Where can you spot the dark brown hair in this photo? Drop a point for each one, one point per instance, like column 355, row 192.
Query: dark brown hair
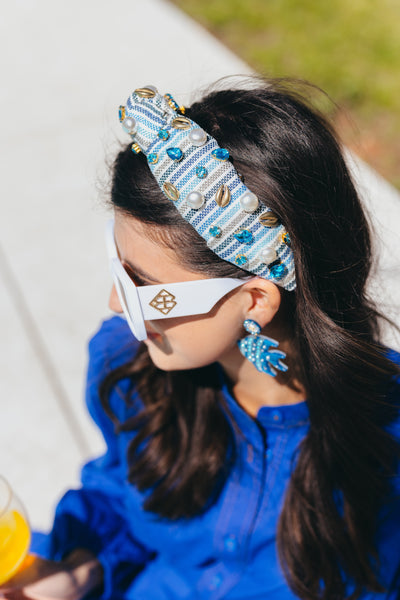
column 185, row 441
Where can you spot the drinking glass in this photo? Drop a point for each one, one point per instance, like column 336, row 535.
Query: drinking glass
column 15, row 535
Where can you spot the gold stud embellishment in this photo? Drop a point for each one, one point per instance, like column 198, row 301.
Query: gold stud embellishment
column 173, row 104
column 181, row 123
column 269, row 219
column 163, row 302
column 171, row 191
column 121, row 113
column 223, row 196
column 145, row 93
column 136, row 148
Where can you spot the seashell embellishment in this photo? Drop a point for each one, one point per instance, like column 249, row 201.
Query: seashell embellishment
column 269, row 219
column 145, row 92
column 171, row 191
column 181, row 123
column 223, row 196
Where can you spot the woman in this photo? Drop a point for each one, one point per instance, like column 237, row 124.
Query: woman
column 266, row 468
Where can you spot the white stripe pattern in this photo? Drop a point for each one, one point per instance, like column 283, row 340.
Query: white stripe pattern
column 153, row 114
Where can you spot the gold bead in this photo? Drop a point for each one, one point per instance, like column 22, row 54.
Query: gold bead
column 223, row 196
column 145, row 93
column 181, row 123
column 136, row 148
column 122, row 113
column 171, row 191
column 182, row 109
column 269, row 219
column 174, row 105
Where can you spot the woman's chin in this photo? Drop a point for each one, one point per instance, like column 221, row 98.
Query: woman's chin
column 161, row 356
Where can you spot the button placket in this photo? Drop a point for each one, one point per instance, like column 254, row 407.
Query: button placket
column 279, row 441
column 250, row 453
column 245, row 486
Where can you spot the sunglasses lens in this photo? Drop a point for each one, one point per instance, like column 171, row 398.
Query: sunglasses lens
column 129, row 301
column 121, row 296
column 126, row 289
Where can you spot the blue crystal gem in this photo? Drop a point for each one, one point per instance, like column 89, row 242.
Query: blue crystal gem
column 278, row 271
column 286, row 238
column 201, row 172
column 220, row 154
column 175, row 153
column 163, row 134
column 152, row 158
column 241, row 259
column 121, row 113
column 244, row 235
column 251, row 326
column 215, row 231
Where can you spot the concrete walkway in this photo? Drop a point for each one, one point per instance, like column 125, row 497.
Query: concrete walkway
column 66, row 66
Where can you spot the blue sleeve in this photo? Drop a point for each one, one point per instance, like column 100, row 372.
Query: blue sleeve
column 94, row 516
column 388, row 534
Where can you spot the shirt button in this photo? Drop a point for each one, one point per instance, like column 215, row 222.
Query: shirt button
column 230, row 542
column 215, row 582
column 277, row 416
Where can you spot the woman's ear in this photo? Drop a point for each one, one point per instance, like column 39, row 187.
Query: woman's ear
column 262, row 300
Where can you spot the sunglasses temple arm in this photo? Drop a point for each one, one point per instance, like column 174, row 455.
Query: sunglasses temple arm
column 184, row 299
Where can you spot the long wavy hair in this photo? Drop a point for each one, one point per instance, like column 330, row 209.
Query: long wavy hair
column 182, row 450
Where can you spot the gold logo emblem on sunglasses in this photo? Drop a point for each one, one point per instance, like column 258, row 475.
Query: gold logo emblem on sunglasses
column 164, row 302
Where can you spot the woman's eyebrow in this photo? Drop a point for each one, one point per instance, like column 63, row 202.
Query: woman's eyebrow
column 137, row 271
column 133, row 268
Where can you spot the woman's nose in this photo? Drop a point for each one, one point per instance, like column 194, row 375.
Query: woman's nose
column 113, row 302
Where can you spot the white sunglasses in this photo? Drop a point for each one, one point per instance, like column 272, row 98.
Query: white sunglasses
column 163, row 301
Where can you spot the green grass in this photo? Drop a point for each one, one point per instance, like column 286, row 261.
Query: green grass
column 350, row 48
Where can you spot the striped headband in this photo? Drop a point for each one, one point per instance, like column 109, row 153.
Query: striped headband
column 198, row 177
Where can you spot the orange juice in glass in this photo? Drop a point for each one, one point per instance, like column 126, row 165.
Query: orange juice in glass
column 15, row 535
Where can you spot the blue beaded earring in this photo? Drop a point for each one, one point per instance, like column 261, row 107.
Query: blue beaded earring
column 257, row 349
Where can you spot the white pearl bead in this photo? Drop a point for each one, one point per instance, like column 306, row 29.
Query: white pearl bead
column 267, row 255
column 129, row 124
column 197, row 137
column 195, row 199
column 152, row 87
column 249, row 202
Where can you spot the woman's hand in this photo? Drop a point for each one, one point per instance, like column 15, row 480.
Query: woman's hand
column 40, row 579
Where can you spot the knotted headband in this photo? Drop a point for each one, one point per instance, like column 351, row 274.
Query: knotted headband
column 198, row 177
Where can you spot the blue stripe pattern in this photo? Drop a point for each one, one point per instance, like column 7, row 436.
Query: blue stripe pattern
column 155, row 113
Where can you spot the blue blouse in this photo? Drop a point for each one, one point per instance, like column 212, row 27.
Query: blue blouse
column 227, row 552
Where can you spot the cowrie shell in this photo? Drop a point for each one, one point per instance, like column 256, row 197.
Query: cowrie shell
column 223, row 196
